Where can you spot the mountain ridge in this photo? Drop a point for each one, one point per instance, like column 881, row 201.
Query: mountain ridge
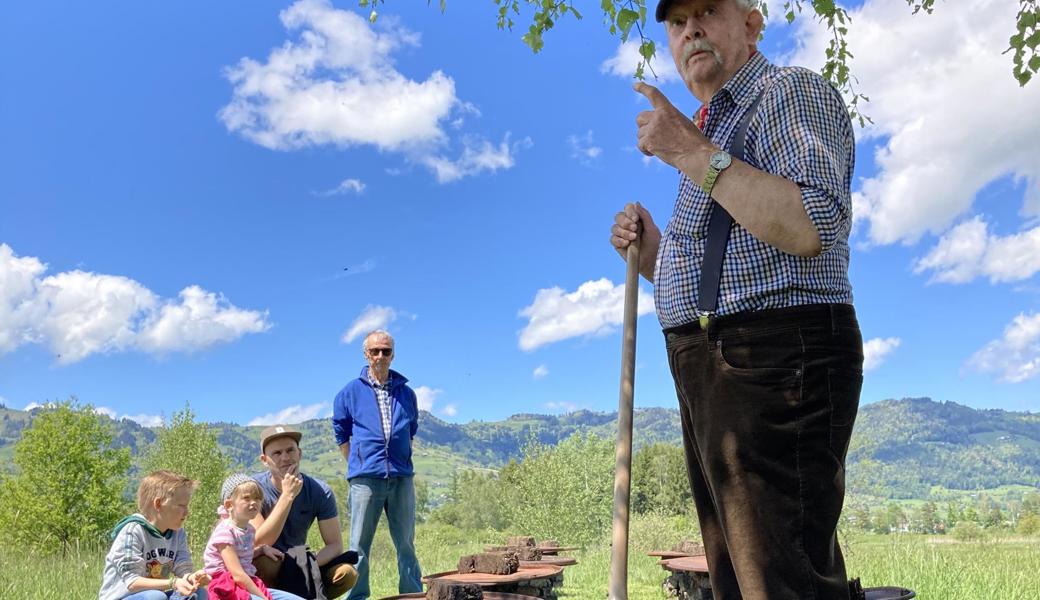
column 901, row 448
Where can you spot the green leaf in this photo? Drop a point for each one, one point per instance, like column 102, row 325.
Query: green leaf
column 625, row 20
column 647, row 50
column 533, row 38
column 824, row 7
column 1026, row 20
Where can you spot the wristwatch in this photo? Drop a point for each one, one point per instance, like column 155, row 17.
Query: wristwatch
column 718, row 162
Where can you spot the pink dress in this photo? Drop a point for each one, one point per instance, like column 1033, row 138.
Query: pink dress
column 223, row 586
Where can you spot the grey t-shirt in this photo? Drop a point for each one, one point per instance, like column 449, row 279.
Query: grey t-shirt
column 314, row 502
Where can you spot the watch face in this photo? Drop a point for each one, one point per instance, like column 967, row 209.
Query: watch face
column 720, row 160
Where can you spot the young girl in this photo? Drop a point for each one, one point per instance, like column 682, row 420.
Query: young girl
column 229, row 552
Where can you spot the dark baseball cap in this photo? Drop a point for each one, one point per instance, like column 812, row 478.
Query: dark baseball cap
column 276, row 431
column 662, row 9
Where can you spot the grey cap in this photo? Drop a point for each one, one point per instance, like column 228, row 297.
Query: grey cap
column 277, row 431
column 232, row 482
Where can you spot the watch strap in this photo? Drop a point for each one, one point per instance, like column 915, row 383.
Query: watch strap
column 710, row 178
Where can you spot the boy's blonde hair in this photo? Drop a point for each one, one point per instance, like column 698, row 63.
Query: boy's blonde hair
column 163, row 485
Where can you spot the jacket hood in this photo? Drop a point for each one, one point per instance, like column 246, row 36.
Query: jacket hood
column 143, row 522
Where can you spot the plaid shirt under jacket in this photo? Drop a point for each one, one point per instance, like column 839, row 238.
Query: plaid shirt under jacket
column 382, row 391
column 801, row 132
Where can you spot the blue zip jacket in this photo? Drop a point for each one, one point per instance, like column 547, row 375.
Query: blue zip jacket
column 355, row 419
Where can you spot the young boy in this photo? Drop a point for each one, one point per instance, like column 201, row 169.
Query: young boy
column 149, row 558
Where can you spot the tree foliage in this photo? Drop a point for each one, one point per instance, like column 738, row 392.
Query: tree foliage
column 475, row 501
column 69, row 488
column 621, row 16
column 564, row 492
column 660, row 483
column 189, row 448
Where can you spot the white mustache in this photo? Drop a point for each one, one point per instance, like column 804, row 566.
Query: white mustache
column 699, row 45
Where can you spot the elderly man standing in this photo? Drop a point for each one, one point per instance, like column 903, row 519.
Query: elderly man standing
column 375, row 417
column 751, row 287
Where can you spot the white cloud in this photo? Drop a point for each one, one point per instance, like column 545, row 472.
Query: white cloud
column 372, row 318
column 142, row 419
column 297, row 413
column 623, row 63
column 198, row 320
column 146, row 420
column 876, row 350
column 450, row 410
column 77, row 313
column 596, row 308
column 336, row 84
column 1016, row 356
column 583, row 148
column 540, row 371
column 968, row 251
column 427, row 397
column 564, row 407
column 347, row 186
column 477, row 156
column 950, row 116
column 19, row 278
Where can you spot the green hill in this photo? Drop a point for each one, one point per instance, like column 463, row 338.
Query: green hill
column 900, row 448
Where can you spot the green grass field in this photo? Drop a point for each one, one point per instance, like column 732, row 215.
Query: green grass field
column 935, row 567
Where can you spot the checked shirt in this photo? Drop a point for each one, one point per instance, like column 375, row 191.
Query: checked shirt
column 801, row 132
column 382, row 391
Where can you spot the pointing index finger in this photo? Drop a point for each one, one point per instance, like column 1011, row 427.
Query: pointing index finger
column 654, row 95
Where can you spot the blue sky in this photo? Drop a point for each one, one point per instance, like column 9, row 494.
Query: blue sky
column 206, row 202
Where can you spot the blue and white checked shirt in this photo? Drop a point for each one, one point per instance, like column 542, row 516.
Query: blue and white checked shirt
column 801, row 132
column 382, row 391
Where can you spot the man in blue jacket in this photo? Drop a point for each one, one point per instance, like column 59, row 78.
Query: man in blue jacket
column 375, row 417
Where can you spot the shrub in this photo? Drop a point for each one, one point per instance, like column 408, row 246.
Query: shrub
column 69, row 488
column 475, row 502
column 1028, row 525
column 967, row 531
column 189, row 448
column 565, row 492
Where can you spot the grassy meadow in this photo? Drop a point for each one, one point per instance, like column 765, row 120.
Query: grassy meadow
column 936, row 567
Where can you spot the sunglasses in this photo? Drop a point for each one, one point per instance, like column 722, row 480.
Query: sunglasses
column 378, row 351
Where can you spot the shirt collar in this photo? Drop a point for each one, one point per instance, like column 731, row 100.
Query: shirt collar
column 384, row 385
column 743, row 86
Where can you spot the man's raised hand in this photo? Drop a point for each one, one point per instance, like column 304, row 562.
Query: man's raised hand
column 291, row 483
column 665, row 132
